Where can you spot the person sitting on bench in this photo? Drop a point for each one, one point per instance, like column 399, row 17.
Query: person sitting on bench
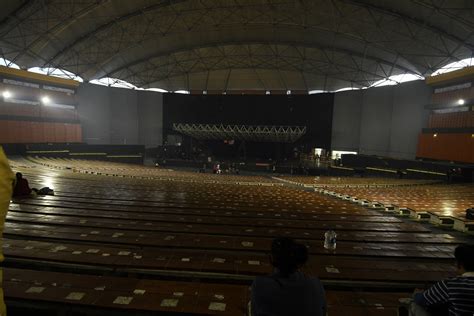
column 453, row 296
column 22, row 188
column 287, row 291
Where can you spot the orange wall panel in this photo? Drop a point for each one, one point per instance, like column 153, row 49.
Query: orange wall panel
column 449, row 147
column 69, row 132
column 39, row 132
column 4, row 137
column 26, row 131
column 451, row 120
column 60, row 132
column 78, row 133
column 49, row 136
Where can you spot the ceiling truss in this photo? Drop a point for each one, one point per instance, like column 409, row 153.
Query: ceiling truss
column 216, row 44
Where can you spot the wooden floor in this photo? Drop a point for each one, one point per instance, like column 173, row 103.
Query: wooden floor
column 194, row 242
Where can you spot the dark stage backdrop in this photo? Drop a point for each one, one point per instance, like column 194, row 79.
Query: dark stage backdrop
column 313, row 111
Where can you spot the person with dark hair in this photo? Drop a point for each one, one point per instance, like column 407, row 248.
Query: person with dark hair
column 22, row 188
column 287, row 291
column 453, row 296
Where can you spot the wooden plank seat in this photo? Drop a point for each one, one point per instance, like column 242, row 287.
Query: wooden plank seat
column 127, row 213
column 210, row 216
column 275, row 200
column 78, row 219
column 440, row 204
column 211, row 191
column 152, row 260
column 229, row 207
column 112, row 294
column 328, row 182
column 118, row 169
column 444, row 206
column 234, row 243
column 312, row 210
column 227, row 199
column 364, row 303
column 186, row 226
column 242, row 202
column 420, row 197
column 278, row 222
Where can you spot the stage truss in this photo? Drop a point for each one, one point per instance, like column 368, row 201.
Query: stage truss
column 255, row 133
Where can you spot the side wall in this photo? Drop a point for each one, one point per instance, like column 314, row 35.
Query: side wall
column 381, row 121
column 120, row 116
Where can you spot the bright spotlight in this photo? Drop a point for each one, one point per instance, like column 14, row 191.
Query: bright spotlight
column 435, row 135
column 45, row 100
column 6, row 94
column 461, row 101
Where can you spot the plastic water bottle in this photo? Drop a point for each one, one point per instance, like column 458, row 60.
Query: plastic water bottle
column 330, row 240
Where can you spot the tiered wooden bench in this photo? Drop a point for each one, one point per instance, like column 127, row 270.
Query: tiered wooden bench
column 312, row 181
column 439, row 204
column 190, row 229
column 57, row 293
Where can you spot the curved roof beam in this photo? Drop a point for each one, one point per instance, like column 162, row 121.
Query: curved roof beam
column 60, row 26
column 421, row 23
column 365, row 55
column 352, row 83
column 109, row 24
column 444, row 12
column 287, row 43
column 138, row 12
column 291, row 67
column 14, row 14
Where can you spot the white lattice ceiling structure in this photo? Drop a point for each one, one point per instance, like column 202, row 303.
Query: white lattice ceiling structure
column 238, row 44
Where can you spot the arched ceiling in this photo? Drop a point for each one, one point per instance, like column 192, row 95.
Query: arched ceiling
column 238, row 44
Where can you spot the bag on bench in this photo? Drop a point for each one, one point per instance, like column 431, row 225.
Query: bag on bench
column 470, row 213
column 45, row 191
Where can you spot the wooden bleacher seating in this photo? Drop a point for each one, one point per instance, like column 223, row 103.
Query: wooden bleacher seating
column 165, row 229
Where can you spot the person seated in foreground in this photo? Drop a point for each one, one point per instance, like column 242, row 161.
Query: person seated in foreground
column 287, row 291
column 22, row 188
column 453, row 296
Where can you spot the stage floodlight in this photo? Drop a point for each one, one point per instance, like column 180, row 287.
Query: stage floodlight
column 6, row 94
column 45, row 100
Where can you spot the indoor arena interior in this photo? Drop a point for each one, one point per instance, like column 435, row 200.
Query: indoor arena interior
column 237, row 157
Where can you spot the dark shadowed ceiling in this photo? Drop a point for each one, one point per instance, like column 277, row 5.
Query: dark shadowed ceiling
column 238, row 44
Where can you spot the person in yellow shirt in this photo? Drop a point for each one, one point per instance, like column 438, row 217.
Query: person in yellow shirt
column 7, row 179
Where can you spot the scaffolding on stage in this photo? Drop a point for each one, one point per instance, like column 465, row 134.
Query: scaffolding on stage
column 256, row 133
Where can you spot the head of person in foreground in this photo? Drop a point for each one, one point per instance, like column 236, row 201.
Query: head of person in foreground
column 464, row 255
column 287, row 256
